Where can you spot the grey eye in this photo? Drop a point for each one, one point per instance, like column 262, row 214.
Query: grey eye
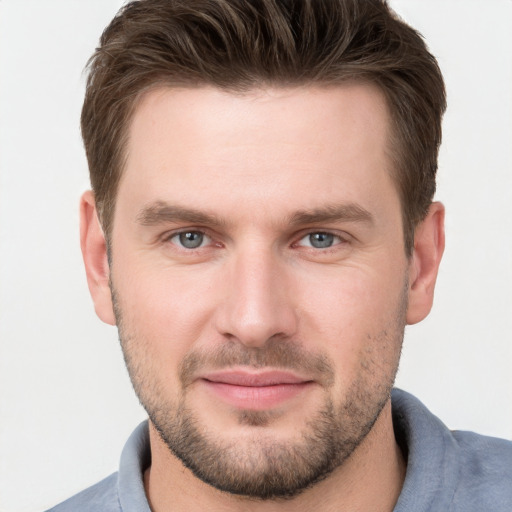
column 190, row 239
column 321, row 240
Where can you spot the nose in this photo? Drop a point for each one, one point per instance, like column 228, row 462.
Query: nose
column 258, row 303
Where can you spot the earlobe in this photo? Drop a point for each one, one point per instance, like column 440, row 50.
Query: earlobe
column 424, row 263
column 94, row 253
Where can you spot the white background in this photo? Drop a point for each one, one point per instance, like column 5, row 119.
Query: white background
column 66, row 405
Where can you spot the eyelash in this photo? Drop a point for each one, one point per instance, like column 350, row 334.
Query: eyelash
column 338, row 240
column 177, row 234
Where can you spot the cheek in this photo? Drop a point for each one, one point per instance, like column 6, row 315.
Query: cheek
column 351, row 299
column 165, row 309
column 352, row 314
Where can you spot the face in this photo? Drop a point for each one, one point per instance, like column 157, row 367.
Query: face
column 259, row 278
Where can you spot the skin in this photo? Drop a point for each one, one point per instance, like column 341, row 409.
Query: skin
column 258, row 174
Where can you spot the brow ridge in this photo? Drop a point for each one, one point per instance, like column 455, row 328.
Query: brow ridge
column 351, row 212
column 161, row 212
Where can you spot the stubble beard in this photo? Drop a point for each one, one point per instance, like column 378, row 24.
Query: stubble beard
column 264, row 468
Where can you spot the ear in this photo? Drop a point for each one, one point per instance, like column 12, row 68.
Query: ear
column 424, row 263
column 94, row 253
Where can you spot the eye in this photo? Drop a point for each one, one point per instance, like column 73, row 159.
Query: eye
column 320, row 240
column 190, row 239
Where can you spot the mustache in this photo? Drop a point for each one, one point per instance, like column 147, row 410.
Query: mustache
column 276, row 353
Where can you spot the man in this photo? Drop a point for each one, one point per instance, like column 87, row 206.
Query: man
column 261, row 229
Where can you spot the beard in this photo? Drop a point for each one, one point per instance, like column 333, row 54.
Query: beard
column 261, row 466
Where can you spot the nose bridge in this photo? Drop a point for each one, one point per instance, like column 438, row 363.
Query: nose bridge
column 257, row 302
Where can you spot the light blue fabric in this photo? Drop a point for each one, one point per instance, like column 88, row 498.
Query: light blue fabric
column 446, row 471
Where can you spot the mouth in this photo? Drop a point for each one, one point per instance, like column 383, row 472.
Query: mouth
column 256, row 391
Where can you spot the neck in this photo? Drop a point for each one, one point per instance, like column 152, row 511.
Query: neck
column 370, row 479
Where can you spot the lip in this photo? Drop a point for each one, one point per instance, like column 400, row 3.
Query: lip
column 255, row 390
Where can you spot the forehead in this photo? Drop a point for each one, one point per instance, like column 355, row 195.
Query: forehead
column 267, row 146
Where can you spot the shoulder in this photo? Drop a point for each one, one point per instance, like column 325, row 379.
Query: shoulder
column 101, row 497
column 449, row 470
column 121, row 491
column 485, row 471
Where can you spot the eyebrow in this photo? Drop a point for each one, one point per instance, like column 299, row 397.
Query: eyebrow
column 349, row 212
column 162, row 213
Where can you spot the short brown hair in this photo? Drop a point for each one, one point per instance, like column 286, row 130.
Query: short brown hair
column 237, row 45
